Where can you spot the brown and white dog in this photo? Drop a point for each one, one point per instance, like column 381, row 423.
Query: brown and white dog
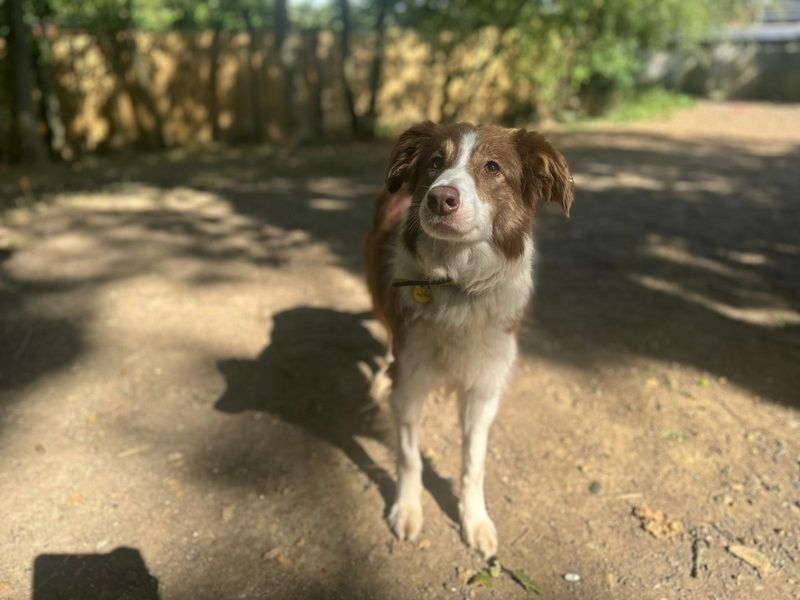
column 450, row 270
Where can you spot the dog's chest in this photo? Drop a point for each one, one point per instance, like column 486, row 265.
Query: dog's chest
column 458, row 333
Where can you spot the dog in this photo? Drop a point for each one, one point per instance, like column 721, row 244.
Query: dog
column 450, row 270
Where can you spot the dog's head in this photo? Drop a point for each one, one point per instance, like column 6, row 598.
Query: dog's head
column 476, row 183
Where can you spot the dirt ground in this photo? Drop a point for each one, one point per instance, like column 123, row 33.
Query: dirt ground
column 186, row 350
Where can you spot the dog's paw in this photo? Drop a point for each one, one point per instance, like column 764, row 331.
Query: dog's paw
column 406, row 520
column 480, row 533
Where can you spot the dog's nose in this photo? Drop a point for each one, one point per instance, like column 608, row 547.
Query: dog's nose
column 443, row 200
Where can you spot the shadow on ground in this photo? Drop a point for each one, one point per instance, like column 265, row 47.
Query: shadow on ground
column 118, row 575
column 314, row 374
column 682, row 251
column 679, row 251
column 685, row 253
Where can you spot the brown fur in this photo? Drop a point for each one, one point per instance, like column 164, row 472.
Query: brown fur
column 389, row 211
column 531, row 170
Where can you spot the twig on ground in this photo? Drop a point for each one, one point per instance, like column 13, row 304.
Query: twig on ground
column 520, row 536
column 23, row 345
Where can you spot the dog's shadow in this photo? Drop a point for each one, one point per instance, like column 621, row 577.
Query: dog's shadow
column 314, row 374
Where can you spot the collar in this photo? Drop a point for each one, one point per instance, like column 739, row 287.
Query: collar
column 421, row 290
column 422, row 282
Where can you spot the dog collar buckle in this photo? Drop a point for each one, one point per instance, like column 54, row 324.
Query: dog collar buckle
column 422, row 294
column 422, row 291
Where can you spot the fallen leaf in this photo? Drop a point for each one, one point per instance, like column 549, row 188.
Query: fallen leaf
column 522, row 578
column 424, row 544
column 25, row 185
column 131, row 451
column 228, row 511
column 76, row 499
column 678, row 436
column 175, row 485
column 752, row 557
column 279, row 557
column 657, row 523
column 611, row 580
column 283, row 561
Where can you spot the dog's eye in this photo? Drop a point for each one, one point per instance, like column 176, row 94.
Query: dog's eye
column 437, row 162
column 492, row 167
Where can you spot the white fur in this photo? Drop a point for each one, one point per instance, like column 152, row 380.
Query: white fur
column 461, row 340
column 472, row 222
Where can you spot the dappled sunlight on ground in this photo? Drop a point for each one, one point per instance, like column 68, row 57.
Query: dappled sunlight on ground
column 185, row 350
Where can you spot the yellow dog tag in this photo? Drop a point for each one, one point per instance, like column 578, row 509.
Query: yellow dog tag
column 422, row 294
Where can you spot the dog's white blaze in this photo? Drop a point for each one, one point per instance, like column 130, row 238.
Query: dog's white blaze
column 467, row 146
column 473, row 216
column 460, row 172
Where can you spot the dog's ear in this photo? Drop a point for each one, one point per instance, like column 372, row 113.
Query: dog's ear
column 546, row 175
column 406, row 154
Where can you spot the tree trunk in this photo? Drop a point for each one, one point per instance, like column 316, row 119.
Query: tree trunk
column 315, row 84
column 377, row 68
column 122, row 54
column 213, row 82
column 344, row 43
column 51, row 105
column 282, row 51
column 444, row 110
column 296, row 123
column 256, row 112
column 32, row 147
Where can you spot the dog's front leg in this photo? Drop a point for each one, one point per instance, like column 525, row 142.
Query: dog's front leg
column 412, row 386
column 479, row 405
column 479, row 410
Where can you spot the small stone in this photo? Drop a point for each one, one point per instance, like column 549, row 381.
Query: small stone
column 595, row 487
column 572, row 577
column 228, row 512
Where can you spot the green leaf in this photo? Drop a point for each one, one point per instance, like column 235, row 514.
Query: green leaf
column 495, row 568
column 483, row 578
column 522, row 578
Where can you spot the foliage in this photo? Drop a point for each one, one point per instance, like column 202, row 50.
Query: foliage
column 108, row 15
column 573, row 55
column 566, row 59
column 652, row 103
